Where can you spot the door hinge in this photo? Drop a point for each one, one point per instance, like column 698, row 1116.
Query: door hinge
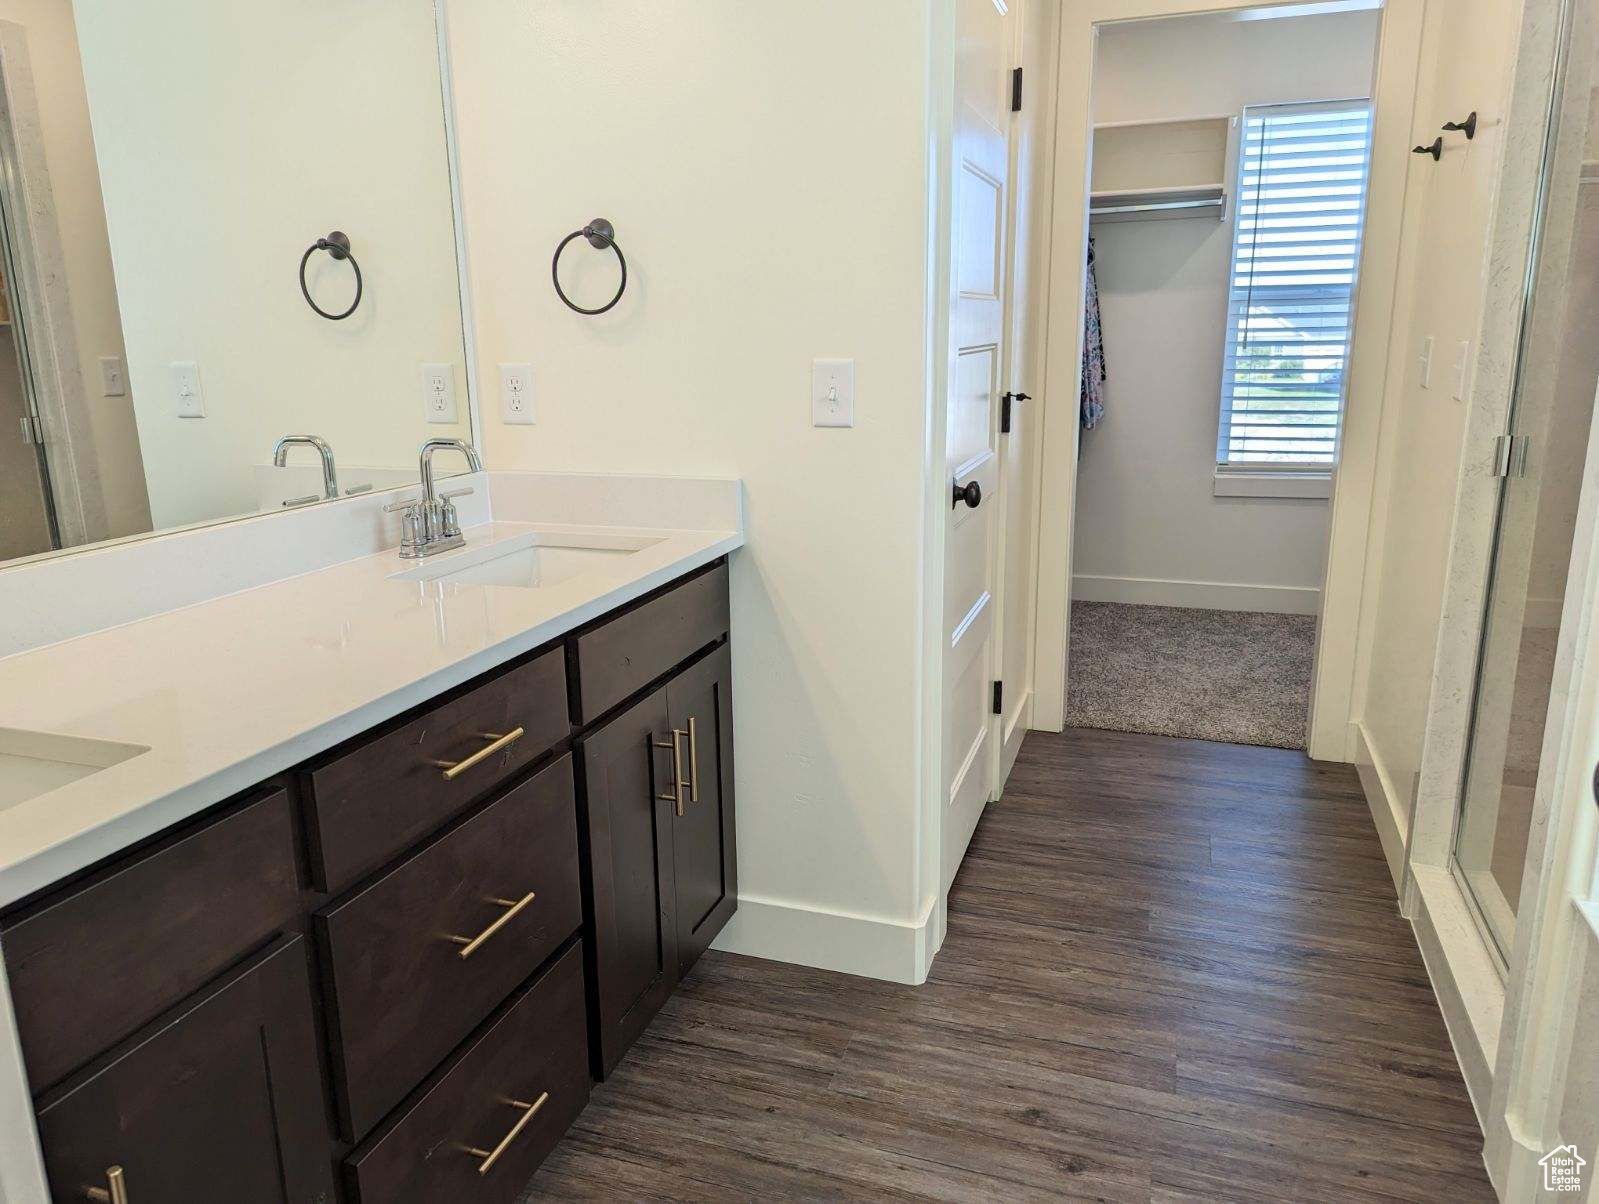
column 1016, row 90
column 1005, row 404
column 999, row 698
column 1510, row 456
column 32, row 430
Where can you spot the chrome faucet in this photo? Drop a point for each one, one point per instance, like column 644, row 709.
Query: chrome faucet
column 429, row 523
column 330, row 477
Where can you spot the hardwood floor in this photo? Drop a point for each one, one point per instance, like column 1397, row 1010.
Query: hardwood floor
column 1174, row 970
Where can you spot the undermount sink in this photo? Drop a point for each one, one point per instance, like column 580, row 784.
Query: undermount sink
column 35, row 763
column 535, row 560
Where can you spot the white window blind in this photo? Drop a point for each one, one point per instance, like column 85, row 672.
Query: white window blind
column 1301, row 202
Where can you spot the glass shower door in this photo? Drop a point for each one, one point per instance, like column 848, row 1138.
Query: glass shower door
column 1542, row 461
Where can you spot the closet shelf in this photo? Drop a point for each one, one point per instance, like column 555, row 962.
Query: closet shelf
column 1155, row 170
column 1158, row 204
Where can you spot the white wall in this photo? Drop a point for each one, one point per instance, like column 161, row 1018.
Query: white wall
column 231, row 135
column 113, row 463
column 1148, row 525
column 765, row 166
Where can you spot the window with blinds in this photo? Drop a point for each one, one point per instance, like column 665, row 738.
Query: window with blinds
column 1301, row 201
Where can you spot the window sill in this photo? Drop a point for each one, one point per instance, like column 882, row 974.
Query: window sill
column 1272, row 484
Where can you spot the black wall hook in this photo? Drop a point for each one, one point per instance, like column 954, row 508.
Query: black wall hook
column 1468, row 127
column 1436, row 150
column 336, row 244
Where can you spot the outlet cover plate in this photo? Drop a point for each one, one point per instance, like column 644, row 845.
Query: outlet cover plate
column 438, row 393
column 516, row 395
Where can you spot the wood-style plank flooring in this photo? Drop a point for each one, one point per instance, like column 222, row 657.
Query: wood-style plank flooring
column 1174, row 970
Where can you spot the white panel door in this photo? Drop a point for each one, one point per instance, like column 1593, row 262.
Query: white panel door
column 982, row 202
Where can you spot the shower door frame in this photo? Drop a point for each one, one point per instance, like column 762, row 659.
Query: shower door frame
column 1543, row 254
column 48, row 347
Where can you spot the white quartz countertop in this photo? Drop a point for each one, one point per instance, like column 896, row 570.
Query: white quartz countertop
column 227, row 692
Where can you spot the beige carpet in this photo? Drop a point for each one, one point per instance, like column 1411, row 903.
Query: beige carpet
column 1229, row 675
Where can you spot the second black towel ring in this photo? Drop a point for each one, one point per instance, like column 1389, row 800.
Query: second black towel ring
column 600, row 234
column 337, row 245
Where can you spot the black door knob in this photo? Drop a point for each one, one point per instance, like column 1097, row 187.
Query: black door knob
column 971, row 493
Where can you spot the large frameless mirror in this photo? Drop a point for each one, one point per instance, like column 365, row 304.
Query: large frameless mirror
column 229, row 261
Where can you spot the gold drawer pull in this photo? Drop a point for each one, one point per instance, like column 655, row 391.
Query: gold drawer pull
column 115, row 1190
column 471, row 944
column 454, row 769
column 679, row 783
column 693, row 762
column 490, row 1157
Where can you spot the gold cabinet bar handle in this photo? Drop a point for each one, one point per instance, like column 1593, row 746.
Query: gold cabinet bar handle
column 490, row 1157
column 454, row 769
column 471, row 944
column 678, row 784
column 693, row 762
column 115, row 1190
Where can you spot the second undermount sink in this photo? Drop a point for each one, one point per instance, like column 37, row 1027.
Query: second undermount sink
column 535, row 560
column 35, row 763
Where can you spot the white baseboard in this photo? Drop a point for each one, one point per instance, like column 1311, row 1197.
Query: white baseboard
column 1465, row 981
column 1390, row 810
column 1197, row 595
column 870, row 946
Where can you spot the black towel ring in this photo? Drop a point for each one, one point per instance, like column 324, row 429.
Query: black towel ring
column 337, row 245
column 601, row 234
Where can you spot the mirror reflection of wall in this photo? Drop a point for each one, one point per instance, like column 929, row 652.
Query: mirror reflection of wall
column 165, row 167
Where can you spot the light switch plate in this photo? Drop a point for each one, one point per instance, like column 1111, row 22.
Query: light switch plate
column 113, row 382
column 832, row 392
column 438, row 393
column 186, row 390
column 1426, row 362
column 1462, row 369
column 516, row 394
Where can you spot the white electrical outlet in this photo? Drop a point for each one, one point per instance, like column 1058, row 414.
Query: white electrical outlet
column 186, row 388
column 516, row 394
column 112, row 381
column 1426, row 362
column 832, row 392
column 438, row 393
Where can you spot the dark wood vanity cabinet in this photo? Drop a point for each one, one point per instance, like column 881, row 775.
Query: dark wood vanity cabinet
column 699, row 702
column 659, row 790
column 224, row 1090
column 630, row 858
column 393, row 973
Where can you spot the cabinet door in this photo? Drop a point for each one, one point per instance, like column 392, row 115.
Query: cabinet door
column 222, row 1098
column 700, row 702
column 630, row 851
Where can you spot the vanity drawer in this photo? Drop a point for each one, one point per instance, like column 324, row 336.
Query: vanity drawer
column 620, row 657
column 406, row 985
column 371, row 802
column 90, row 965
column 535, row 1052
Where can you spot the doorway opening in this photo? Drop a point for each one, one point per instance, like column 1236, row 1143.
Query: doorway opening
column 1229, row 171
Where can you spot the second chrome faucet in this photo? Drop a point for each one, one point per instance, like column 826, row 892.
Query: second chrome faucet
column 429, row 524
